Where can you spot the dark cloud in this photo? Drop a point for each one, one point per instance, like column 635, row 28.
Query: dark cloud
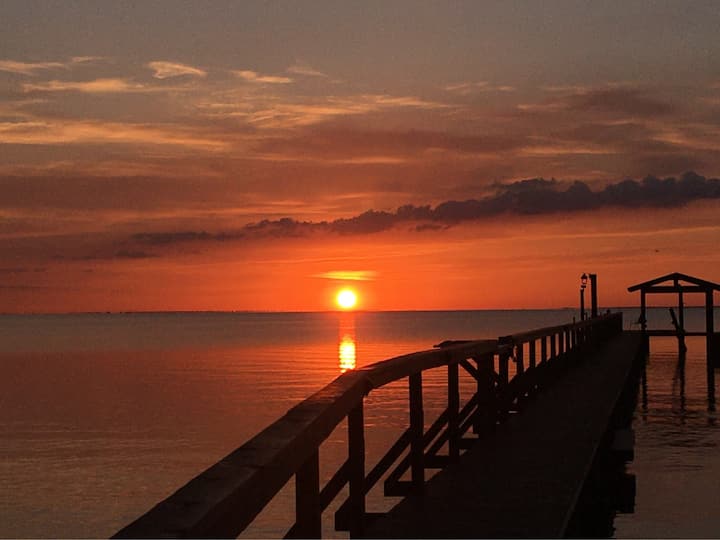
column 160, row 238
column 339, row 142
column 626, row 101
column 130, row 254
column 535, row 196
column 22, row 270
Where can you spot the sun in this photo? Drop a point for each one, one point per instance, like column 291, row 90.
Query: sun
column 346, row 298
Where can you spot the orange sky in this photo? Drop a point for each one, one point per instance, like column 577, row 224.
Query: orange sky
column 226, row 157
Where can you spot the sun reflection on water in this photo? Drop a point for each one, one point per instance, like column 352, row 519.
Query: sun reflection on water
column 347, row 350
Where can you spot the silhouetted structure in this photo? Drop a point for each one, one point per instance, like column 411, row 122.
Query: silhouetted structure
column 681, row 284
column 521, row 473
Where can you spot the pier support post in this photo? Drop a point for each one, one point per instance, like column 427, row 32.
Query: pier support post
column 502, row 385
column 487, row 408
column 709, row 347
column 308, row 523
column 453, row 412
column 417, row 428
column 356, row 473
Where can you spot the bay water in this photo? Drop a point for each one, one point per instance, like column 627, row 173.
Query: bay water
column 104, row 415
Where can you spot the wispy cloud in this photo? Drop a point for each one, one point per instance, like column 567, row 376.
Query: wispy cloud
column 64, row 132
column 28, row 68
column 348, row 275
column 165, row 70
column 97, row 86
column 255, row 77
column 32, row 68
column 278, row 114
column 467, row 88
column 86, row 59
column 300, row 68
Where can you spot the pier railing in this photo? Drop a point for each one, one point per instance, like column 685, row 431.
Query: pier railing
column 223, row 500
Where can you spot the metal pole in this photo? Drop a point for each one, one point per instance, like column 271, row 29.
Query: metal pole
column 593, row 296
column 582, row 303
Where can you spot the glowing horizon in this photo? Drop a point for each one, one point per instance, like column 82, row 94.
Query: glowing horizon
column 140, row 171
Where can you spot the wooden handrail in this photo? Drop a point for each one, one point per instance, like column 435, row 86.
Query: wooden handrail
column 224, row 499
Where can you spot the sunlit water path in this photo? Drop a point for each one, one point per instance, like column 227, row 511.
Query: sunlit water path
column 102, row 416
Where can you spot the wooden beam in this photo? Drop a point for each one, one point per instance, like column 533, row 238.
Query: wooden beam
column 675, row 289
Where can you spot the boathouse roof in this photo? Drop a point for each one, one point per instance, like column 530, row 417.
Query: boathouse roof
column 691, row 284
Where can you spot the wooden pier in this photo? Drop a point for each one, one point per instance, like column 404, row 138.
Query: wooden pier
column 513, row 456
column 524, row 480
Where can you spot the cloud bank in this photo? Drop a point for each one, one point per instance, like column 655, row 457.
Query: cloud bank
column 535, row 196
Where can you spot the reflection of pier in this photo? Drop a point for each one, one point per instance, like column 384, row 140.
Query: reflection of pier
column 503, row 473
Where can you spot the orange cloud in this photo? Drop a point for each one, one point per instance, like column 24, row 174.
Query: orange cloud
column 71, row 131
column 348, row 275
column 300, row 68
column 255, row 77
column 97, row 86
column 28, row 68
column 467, row 88
column 165, row 70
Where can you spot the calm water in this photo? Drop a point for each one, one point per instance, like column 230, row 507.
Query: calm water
column 102, row 416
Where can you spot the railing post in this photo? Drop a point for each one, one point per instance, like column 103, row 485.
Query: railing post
column 503, row 379
column 531, row 353
column 356, row 473
column 453, row 412
column 543, row 349
column 567, row 332
column 417, row 428
column 308, row 522
column 486, row 412
column 553, row 348
column 519, row 360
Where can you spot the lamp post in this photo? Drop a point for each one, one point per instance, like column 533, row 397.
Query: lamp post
column 583, row 285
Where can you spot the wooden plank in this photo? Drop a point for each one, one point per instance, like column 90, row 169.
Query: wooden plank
column 499, row 489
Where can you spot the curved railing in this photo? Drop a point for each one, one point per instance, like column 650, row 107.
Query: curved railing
column 223, row 500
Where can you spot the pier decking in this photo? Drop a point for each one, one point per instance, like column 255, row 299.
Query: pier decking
column 523, row 481
column 502, row 474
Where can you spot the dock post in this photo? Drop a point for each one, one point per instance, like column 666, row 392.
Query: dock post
column 308, row 522
column 709, row 347
column 503, row 380
column 417, row 428
column 356, row 473
column 453, row 412
column 487, row 407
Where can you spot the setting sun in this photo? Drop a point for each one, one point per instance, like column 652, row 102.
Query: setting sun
column 346, row 299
